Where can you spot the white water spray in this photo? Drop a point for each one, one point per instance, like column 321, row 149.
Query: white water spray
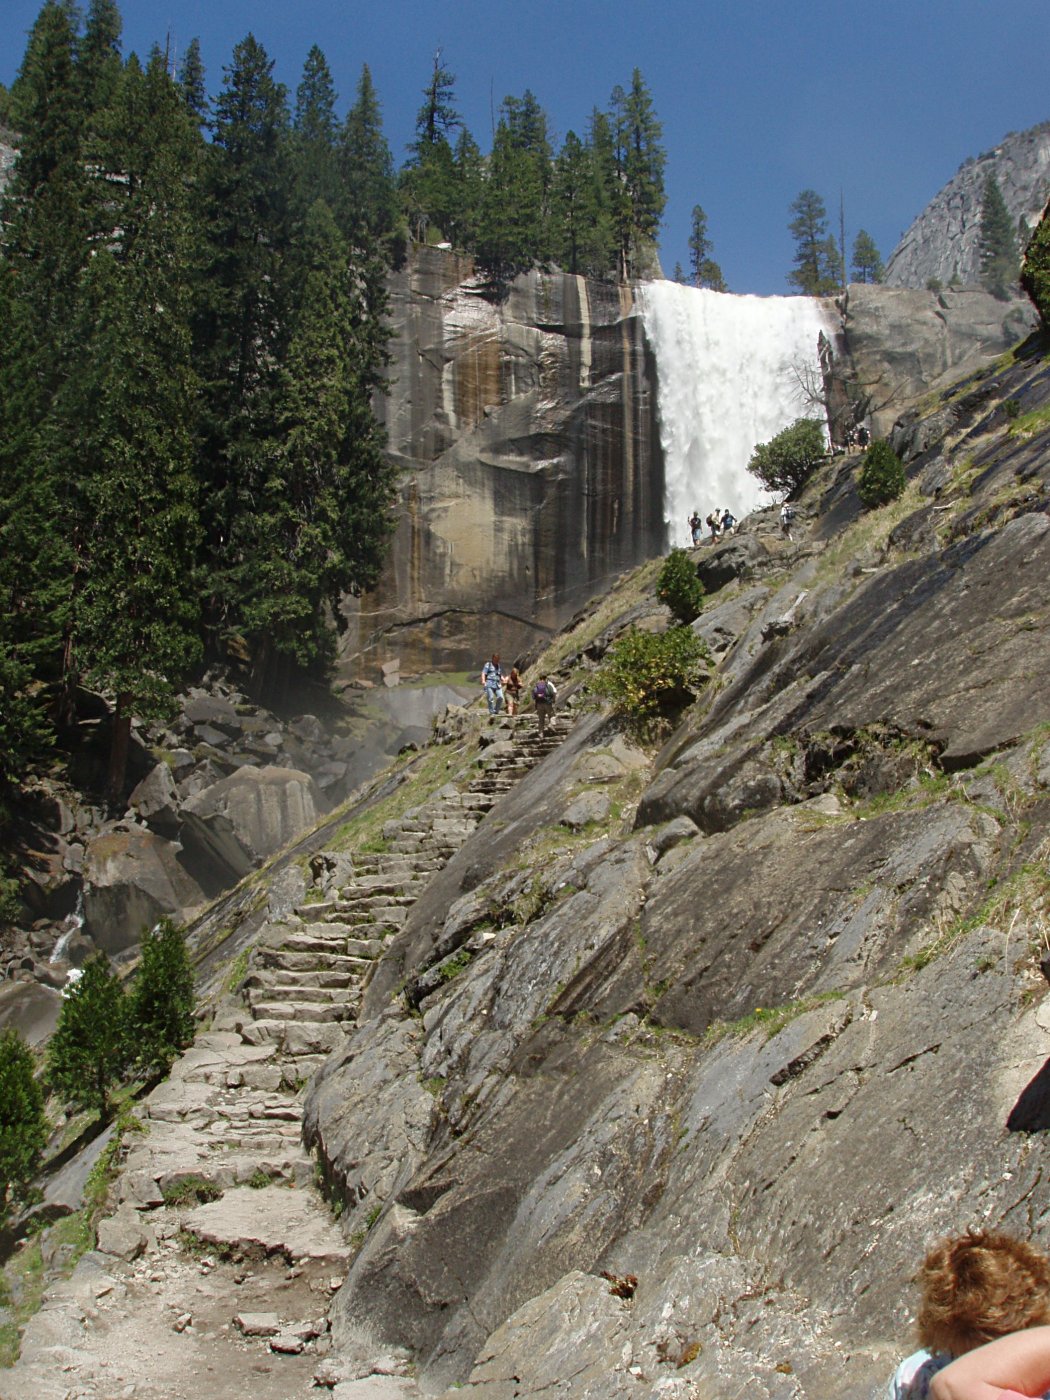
column 728, row 372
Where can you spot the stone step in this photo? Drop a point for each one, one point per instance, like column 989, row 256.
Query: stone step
column 334, row 981
column 309, row 1039
column 295, row 961
column 290, row 991
column 299, row 1011
column 303, row 943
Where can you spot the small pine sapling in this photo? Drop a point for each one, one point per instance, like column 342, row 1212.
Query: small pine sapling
column 23, row 1127
column 881, row 477
column 679, row 587
column 162, row 999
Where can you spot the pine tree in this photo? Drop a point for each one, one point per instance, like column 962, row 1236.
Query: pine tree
column 322, row 515
column 241, row 325
column 1035, row 275
column 89, row 1052
column 867, row 261
column 162, row 999
column 817, row 270
column 570, row 203
column 600, row 244
column 314, row 127
column 469, row 170
column 135, row 626
column 428, row 182
column 642, row 159
column 98, row 56
column 367, row 207
column 191, row 81
column 706, row 272
column 23, row 1127
column 47, row 235
column 998, row 243
column 514, row 225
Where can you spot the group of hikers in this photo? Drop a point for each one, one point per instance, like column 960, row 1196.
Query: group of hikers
column 983, row 1322
column 718, row 522
column 505, row 691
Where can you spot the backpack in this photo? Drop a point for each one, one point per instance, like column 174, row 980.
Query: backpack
column 540, row 691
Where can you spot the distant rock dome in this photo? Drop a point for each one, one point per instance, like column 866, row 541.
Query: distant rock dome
column 943, row 242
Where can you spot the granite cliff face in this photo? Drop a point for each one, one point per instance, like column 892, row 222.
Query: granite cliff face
column 528, row 434
column 708, row 1069
column 897, row 344
column 943, row 242
column 527, row 429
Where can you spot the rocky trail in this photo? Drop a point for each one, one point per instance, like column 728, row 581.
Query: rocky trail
column 213, row 1275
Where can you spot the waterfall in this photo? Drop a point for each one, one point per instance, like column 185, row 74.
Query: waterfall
column 727, row 378
column 71, row 924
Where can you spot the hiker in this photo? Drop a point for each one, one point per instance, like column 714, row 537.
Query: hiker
column 513, row 689
column 543, row 697
column 696, row 527
column 975, row 1287
column 787, row 515
column 728, row 523
column 492, row 680
column 713, row 524
column 863, row 437
column 1020, row 1361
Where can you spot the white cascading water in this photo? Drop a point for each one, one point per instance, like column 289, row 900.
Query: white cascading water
column 728, row 377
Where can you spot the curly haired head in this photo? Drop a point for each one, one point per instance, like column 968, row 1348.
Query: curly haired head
column 979, row 1286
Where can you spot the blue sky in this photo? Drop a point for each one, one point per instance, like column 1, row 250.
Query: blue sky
column 759, row 99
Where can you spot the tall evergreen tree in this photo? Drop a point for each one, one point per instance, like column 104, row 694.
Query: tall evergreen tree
column 47, row 235
column 571, row 188
column 817, row 270
column 128, row 416
column 314, row 128
column 469, row 170
column 706, row 272
column 599, row 252
column 367, row 205
column 322, row 516
column 98, row 56
column 642, row 159
column 241, row 326
column 428, row 182
column 867, row 261
column 514, row 226
column 998, row 242
column 191, row 81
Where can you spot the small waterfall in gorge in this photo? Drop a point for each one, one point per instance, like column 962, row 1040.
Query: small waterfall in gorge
column 728, row 377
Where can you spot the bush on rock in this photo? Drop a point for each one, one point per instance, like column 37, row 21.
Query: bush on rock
column 881, row 477
column 679, row 587
column 649, row 675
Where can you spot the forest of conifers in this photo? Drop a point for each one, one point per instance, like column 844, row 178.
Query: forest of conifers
column 192, row 335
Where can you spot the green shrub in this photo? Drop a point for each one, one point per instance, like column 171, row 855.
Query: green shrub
column 23, row 1127
column 1035, row 273
column 679, row 587
column 649, row 674
column 787, row 460
column 881, row 477
column 161, row 1003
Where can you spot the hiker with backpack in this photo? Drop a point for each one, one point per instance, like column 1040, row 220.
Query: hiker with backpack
column 543, row 697
column 492, row 679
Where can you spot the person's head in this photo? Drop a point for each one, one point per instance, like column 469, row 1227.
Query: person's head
column 979, row 1286
column 495, row 658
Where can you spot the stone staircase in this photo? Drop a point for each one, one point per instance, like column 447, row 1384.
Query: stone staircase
column 306, row 976
column 230, row 1112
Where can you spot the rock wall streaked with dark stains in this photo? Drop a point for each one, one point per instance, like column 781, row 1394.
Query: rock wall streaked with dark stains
column 533, row 473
